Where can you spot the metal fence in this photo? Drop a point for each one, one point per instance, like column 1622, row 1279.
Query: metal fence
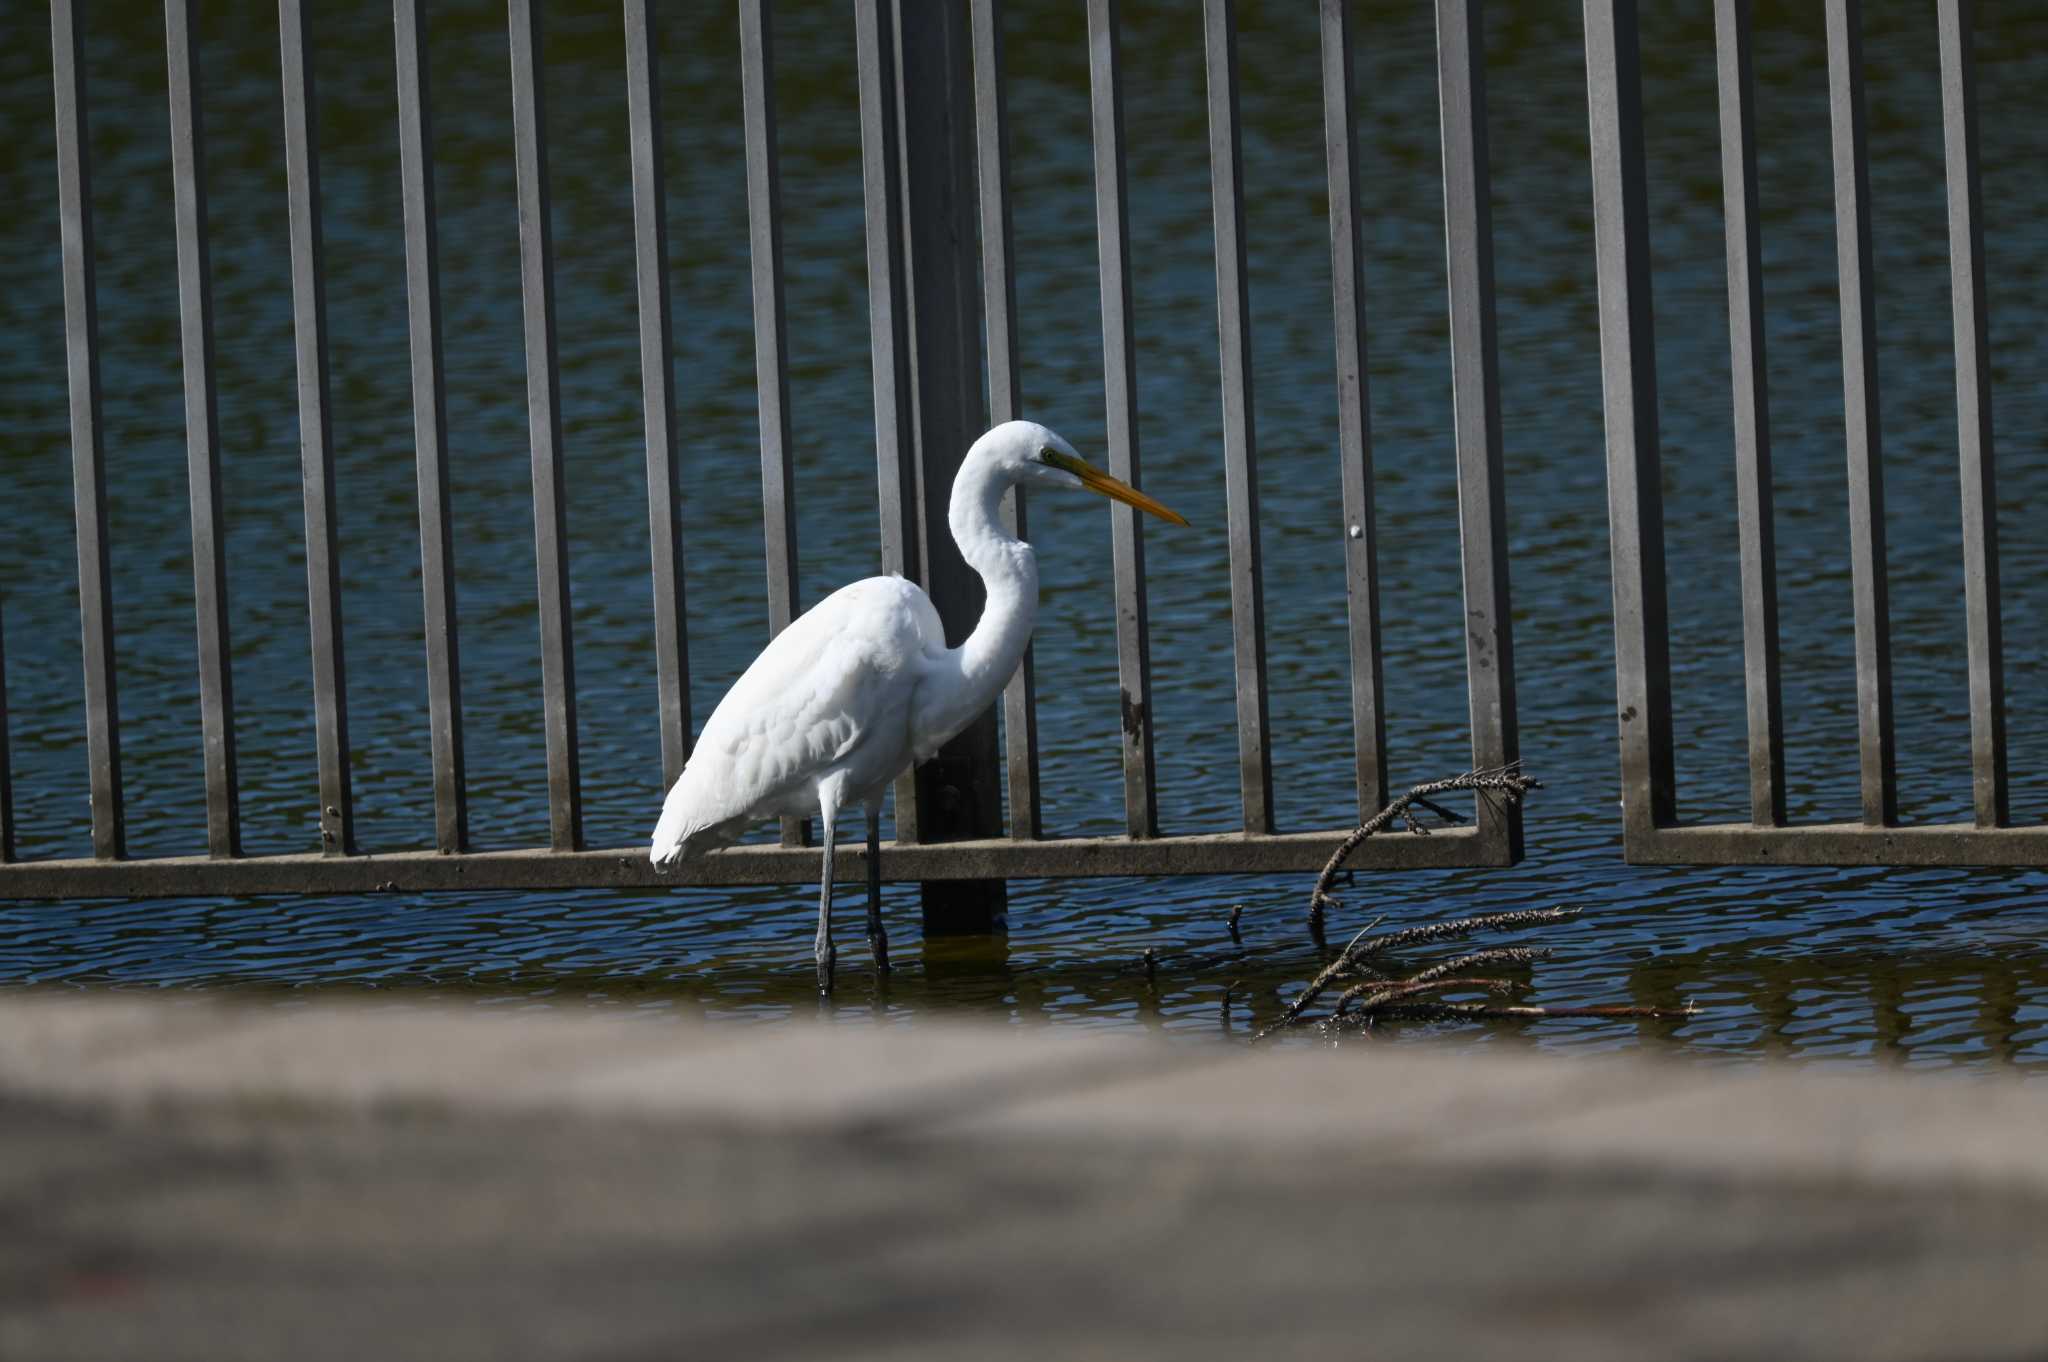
column 934, row 151
column 1653, row 831
column 941, row 296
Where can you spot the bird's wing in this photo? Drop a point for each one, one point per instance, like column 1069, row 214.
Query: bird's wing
column 841, row 673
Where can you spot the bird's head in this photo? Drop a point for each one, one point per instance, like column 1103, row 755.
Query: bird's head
column 1027, row 452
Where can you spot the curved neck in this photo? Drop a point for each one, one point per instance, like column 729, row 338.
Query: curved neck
column 979, row 668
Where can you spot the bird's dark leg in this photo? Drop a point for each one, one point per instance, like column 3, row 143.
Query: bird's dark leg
column 823, row 952
column 878, row 939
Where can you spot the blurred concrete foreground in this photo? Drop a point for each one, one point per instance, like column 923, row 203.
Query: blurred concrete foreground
column 184, row 1179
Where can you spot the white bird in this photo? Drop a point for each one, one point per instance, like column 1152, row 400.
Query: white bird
column 862, row 685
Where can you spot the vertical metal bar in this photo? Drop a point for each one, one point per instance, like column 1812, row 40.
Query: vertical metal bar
column 202, row 434
column 6, row 765
column 1240, row 442
column 1628, row 371
column 316, row 435
column 888, row 317
column 1354, row 412
column 1752, row 414
column 771, row 345
column 1973, row 413
column 316, row 443
column 888, row 283
column 1475, row 396
column 1875, row 739
column 430, row 427
column 88, row 455
column 1120, row 384
column 1005, row 400
column 657, row 386
column 544, row 425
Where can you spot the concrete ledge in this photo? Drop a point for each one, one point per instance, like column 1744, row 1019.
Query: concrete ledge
column 190, row 1180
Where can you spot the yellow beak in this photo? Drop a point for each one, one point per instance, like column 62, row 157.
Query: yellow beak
column 1095, row 480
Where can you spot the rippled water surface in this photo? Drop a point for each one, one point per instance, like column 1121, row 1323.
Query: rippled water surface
column 1933, row 966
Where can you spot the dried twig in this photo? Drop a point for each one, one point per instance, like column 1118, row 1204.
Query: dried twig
column 1316, row 985
column 1445, row 974
column 1450, row 974
column 1502, row 782
column 1454, row 928
column 1377, row 994
column 1371, row 996
column 1486, row 959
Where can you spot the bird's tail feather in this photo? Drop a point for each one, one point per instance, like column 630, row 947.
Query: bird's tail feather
column 678, row 836
column 671, row 840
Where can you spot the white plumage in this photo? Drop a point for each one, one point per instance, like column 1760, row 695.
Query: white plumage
column 862, row 685
column 830, row 696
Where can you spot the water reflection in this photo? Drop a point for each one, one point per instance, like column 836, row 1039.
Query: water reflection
column 1865, row 989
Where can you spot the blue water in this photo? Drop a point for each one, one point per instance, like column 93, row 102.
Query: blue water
column 1934, row 966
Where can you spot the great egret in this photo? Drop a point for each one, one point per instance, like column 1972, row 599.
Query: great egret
column 862, row 685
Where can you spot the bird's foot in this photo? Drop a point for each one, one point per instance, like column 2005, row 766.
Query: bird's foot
column 828, row 959
column 878, row 947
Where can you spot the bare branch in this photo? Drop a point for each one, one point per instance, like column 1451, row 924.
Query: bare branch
column 1486, row 959
column 1503, row 782
column 1376, row 994
column 1316, row 985
column 1458, row 927
column 1369, row 996
column 1504, row 955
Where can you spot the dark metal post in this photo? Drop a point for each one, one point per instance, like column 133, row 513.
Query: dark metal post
column 958, row 792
